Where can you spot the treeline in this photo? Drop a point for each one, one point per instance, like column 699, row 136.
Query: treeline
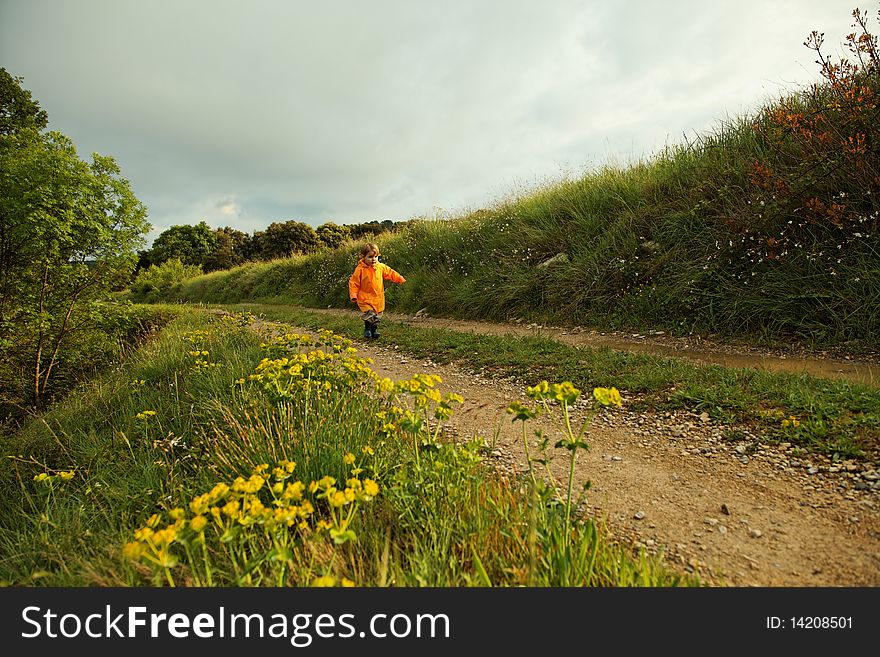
column 225, row 248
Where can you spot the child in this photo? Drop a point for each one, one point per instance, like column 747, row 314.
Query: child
column 366, row 288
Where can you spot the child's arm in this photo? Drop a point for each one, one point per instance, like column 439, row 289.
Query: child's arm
column 354, row 286
column 390, row 275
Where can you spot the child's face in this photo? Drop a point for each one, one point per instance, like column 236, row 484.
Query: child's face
column 371, row 259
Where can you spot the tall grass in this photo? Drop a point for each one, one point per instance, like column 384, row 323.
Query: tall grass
column 216, row 456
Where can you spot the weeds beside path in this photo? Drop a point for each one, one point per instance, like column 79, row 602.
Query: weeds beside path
column 738, row 512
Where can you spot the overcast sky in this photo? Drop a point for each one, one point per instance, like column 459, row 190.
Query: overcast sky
column 241, row 113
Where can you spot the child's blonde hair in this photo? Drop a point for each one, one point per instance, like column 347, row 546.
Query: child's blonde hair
column 369, row 248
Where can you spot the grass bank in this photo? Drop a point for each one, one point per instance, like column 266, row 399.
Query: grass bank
column 217, row 456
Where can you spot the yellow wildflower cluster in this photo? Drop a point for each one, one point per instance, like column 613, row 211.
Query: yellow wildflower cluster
column 242, row 319
column 197, row 337
column 200, row 354
column 785, row 420
column 421, row 389
column 563, row 392
column 331, row 581
column 315, row 371
column 607, row 396
column 145, row 415
column 285, row 343
column 267, row 503
column 46, row 478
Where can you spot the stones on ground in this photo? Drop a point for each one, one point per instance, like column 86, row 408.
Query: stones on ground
column 639, row 515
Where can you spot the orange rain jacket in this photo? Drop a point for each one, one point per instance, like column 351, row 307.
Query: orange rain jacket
column 367, row 286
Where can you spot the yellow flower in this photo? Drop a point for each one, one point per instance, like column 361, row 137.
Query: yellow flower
column 198, row 523
column 347, row 583
column 367, row 450
column 539, row 391
column 337, row 498
column 324, row 581
column 66, row 476
column 371, row 488
column 607, row 396
column 566, row 392
column 132, row 550
column 348, row 458
column 143, row 533
column 294, row 490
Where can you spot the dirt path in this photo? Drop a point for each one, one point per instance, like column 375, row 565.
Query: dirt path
column 669, row 483
column 863, row 369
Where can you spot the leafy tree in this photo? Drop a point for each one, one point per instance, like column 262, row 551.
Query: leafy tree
column 192, row 245
column 68, row 232
column 332, row 235
column 366, row 229
column 17, row 109
column 281, row 240
column 233, row 248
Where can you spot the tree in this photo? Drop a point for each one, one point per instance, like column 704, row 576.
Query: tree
column 282, row 240
column 332, row 235
column 68, row 233
column 233, row 247
column 192, row 245
column 366, row 229
column 18, row 110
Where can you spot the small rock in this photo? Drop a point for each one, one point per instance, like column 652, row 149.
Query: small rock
column 725, row 509
column 639, row 515
column 755, row 533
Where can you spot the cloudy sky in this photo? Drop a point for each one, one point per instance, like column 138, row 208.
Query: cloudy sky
column 241, row 113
